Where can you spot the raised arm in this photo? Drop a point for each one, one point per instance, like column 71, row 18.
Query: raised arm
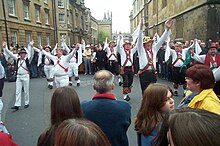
column 70, row 55
column 30, row 51
column 119, row 43
column 8, row 52
column 139, row 43
column 199, row 58
column 66, row 47
column 52, row 57
column 105, row 44
column 54, row 49
column 164, row 36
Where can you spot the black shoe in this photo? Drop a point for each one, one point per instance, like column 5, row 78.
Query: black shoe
column 78, row 84
column 175, row 93
column 70, row 84
column 15, row 107
column 127, row 98
column 51, row 87
column 120, row 83
column 26, row 106
column 48, row 86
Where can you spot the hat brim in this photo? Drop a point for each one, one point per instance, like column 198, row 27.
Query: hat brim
column 22, row 53
column 145, row 42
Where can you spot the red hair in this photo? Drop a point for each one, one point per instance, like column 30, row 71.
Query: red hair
column 203, row 74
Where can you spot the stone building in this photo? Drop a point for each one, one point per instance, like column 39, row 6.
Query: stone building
column 105, row 25
column 94, row 30
column 193, row 19
column 47, row 21
column 136, row 14
column 70, row 20
column 27, row 20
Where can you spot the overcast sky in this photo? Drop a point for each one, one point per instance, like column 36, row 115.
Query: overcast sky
column 120, row 12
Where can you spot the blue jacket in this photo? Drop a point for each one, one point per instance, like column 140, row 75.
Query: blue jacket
column 111, row 115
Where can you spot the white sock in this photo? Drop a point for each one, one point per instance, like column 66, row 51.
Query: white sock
column 125, row 96
column 1, row 107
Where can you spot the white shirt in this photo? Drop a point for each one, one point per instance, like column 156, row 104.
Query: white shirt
column 63, row 60
column 143, row 59
column 2, row 71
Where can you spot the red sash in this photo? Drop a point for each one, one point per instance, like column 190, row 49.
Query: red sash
column 112, row 54
column 65, row 69
column 23, row 66
column 215, row 63
column 150, row 63
column 128, row 58
column 179, row 57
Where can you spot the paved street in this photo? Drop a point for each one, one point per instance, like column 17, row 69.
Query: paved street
column 25, row 125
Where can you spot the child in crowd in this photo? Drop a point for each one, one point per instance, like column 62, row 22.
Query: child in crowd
column 157, row 101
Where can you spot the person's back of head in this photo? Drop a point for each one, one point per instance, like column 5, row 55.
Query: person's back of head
column 79, row 132
column 190, row 127
column 65, row 104
column 103, row 81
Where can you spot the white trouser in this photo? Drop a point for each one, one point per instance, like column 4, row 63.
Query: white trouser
column 1, row 107
column 49, row 72
column 22, row 81
column 73, row 70
column 61, row 81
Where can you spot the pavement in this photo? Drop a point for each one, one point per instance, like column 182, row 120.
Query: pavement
column 26, row 125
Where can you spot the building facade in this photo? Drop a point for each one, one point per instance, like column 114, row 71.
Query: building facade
column 26, row 20
column 137, row 13
column 48, row 21
column 193, row 19
column 94, row 30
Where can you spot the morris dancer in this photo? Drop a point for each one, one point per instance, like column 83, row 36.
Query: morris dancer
column 147, row 54
column 61, row 66
column 75, row 62
column 23, row 73
column 113, row 65
column 127, row 69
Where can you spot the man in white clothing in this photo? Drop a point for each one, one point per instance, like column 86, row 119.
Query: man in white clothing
column 23, row 73
column 2, row 79
column 147, row 52
column 61, row 66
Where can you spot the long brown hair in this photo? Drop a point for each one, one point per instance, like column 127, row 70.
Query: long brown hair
column 149, row 114
column 65, row 104
column 79, row 132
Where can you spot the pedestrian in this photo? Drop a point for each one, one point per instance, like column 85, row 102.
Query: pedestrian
column 157, row 101
column 189, row 127
column 147, row 53
column 87, row 58
column 101, row 58
column 23, row 73
column 200, row 82
column 80, row 132
column 64, row 105
column 111, row 115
